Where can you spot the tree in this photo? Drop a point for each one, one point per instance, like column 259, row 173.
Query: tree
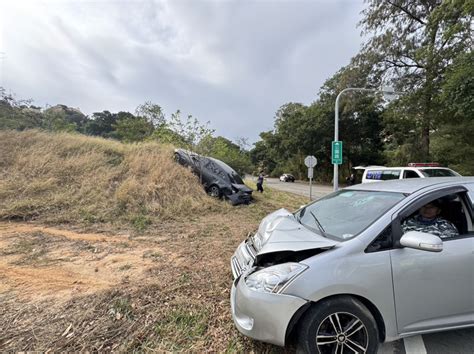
column 18, row 114
column 412, row 44
column 152, row 113
column 453, row 140
column 190, row 129
column 132, row 129
column 225, row 150
column 55, row 120
column 102, row 124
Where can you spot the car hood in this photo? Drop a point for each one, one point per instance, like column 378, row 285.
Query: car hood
column 280, row 231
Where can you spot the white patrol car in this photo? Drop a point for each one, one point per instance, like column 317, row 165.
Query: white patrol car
column 413, row 170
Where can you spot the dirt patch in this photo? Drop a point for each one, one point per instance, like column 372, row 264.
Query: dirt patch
column 164, row 290
column 42, row 262
column 9, row 228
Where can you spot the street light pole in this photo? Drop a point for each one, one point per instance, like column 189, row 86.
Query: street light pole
column 385, row 90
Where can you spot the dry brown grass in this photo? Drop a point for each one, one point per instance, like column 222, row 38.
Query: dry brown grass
column 69, row 178
column 164, row 290
column 75, row 287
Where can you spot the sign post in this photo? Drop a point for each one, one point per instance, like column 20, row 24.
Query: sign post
column 310, row 161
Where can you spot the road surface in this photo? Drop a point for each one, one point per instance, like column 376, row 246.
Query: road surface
column 459, row 341
column 298, row 187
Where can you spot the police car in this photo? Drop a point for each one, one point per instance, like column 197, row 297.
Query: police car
column 413, row 170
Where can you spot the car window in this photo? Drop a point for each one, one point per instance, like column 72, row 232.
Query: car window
column 346, row 213
column 374, row 175
column 212, row 167
column 383, row 242
column 235, row 178
column 437, row 172
column 410, row 174
column 446, row 217
column 390, row 174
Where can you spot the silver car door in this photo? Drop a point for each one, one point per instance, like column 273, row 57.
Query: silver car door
column 434, row 290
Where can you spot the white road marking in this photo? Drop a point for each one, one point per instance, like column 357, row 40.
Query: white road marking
column 386, row 348
column 414, row 345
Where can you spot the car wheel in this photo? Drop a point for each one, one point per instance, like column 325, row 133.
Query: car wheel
column 339, row 325
column 214, row 191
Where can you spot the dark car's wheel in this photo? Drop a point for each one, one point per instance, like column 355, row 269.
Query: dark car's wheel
column 214, row 191
column 339, row 325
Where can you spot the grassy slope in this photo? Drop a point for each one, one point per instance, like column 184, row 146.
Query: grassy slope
column 173, row 296
column 66, row 178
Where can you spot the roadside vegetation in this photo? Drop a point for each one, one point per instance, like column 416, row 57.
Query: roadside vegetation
column 71, row 178
column 422, row 49
column 108, row 246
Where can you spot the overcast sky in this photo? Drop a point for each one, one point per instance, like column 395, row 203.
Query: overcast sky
column 233, row 63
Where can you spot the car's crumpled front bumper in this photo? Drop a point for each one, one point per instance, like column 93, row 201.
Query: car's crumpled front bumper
column 262, row 316
column 239, row 198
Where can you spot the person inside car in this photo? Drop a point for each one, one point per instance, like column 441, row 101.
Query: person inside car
column 428, row 220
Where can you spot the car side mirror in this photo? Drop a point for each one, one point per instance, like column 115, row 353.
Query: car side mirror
column 422, row 241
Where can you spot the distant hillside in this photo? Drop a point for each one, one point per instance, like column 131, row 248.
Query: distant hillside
column 70, row 178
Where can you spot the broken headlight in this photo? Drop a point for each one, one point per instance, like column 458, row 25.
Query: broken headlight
column 274, row 279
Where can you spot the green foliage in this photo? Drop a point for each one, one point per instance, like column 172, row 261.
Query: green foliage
column 189, row 129
column 55, row 121
column 102, row 124
column 308, row 130
column 412, row 44
column 133, row 129
column 152, row 113
column 453, row 140
column 18, row 114
column 225, row 150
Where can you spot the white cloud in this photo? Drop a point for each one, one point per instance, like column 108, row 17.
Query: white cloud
column 231, row 62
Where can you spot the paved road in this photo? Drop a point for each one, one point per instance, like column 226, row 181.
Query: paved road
column 459, row 341
column 301, row 188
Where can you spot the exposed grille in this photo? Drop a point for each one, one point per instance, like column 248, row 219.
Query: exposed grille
column 236, row 269
column 243, row 258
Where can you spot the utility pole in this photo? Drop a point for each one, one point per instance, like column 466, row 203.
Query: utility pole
column 388, row 93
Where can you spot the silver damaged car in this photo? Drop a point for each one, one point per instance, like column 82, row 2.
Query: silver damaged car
column 340, row 276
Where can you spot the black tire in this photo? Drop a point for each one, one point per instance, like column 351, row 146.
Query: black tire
column 325, row 321
column 214, row 191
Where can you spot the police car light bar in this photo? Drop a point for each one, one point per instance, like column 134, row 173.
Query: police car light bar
column 423, row 164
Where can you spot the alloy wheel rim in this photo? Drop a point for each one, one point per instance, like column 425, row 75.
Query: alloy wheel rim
column 341, row 333
column 214, row 192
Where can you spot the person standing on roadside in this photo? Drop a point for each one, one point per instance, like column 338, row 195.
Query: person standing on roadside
column 260, row 182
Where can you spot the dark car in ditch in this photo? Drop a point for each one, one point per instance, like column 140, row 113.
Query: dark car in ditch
column 218, row 179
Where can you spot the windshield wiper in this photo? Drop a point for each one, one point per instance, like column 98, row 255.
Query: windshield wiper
column 318, row 224
column 300, row 215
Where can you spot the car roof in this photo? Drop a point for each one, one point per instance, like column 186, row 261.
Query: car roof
column 410, row 185
column 407, row 167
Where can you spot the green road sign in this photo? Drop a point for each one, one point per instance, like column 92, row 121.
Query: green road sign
column 337, row 152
